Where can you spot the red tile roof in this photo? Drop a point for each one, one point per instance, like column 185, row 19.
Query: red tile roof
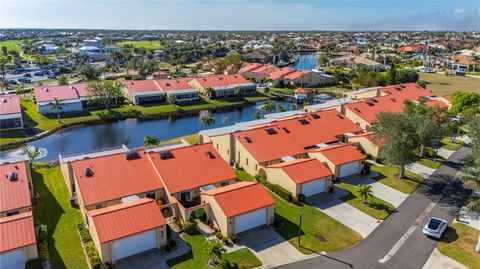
column 303, row 170
column 249, row 67
column 300, row 90
column 370, row 108
column 297, row 74
column 334, row 122
column 281, row 72
column 264, row 147
column 9, row 104
column 17, row 231
column 341, row 153
column 137, row 86
column 62, row 92
column 410, row 91
column 126, row 219
column 115, row 177
column 369, row 136
column 240, row 198
column 305, row 135
column 191, row 167
column 14, row 194
column 263, row 68
column 176, row 84
column 436, row 103
column 214, row 81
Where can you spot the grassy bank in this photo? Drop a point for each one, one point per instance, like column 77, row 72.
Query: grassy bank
column 388, row 176
column 459, row 244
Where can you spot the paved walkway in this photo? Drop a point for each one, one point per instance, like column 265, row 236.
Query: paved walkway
column 439, row 261
column 269, row 247
column 420, row 169
column 330, row 204
column 380, row 190
column 445, row 153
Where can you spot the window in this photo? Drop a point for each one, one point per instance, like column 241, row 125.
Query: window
column 150, row 195
column 256, row 167
column 247, row 161
column 29, row 185
column 11, row 213
column 367, row 127
column 224, row 183
column 185, row 196
column 217, row 146
column 98, row 206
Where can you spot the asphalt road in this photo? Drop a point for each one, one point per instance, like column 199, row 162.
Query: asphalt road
column 398, row 242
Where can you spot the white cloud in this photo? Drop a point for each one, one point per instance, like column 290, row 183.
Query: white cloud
column 460, row 11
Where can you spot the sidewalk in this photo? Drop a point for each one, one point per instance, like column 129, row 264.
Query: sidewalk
column 439, row 261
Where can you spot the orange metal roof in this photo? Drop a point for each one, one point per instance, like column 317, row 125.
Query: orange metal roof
column 371, row 137
column 281, row 72
column 240, row 198
column 410, row 91
column 303, row 170
column 370, row 108
column 249, row 67
column 300, row 90
column 264, row 147
column 335, row 123
column 14, row 194
column 136, row 86
column 436, row 103
column 176, row 84
column 341, row 153
column 122, row 220
column 297, row 74
column 305, row 135
column 115, row 177
column 191, row 167
column 221, row 80
column 17, row 231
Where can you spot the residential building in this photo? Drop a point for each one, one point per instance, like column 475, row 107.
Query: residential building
column 72, row 97
column 141, row 92
column 307, row 78
column 300, row 176
column 257, row 207
column 300, row 94
column 352, row 61
column 179, row 88
column 10, row 112
column 126, row 229
column 342, row 159
column 223, row 85
column 367, row 143
column 16, row 188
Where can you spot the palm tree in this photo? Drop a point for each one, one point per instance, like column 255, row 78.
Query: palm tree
column 476, row 60
column 151, row 140
column 269, row 107
column 281, row 108
column 225, row 120
column 32, row 153
column 171, row 99
column 214, row 249
column 207, row 121
column 57, row 105
column 208, row 92
column 365, row 191
column 257, row 115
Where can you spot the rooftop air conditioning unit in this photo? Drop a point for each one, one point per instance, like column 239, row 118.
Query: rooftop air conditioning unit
column 12, row 176
column 132, row 155
column 88, row 172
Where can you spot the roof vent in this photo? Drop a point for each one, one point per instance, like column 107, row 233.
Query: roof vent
column 210, row 154
column 271, row 131
column 389, row 92
column 247, row 139
column 286, row 130
column 393, row 99
column 166, row 155
column 46, row 89
column 303, row 121
column 132, row 155
column 71, row 87
column 374, row 100
column 370, row 104
column 315, row 116
column 168, row 84
column 220, row 78
column 12, row 176
column 131, row 83
column 88, row 172
column 4, row 100
column 340, row 116
column 356, row 109
column 398, row 88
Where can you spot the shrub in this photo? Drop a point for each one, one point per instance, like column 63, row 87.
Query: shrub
column 84, row 234
column 201, row 214
column 92, row 255
column 277, row 189
column 225, row 240
column 369, row 156
column 42, row 233
column 189, row 227
column 219, row 235
column 43, row 253
column 294, row 200
column 233, row 238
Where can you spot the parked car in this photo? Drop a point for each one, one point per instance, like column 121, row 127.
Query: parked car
column 25, row 80
column 39, row 73
column 12, row 81
column 435, row 227
column 27, row 75
column 52, row 76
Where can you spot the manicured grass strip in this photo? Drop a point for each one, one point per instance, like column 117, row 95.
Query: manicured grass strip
column 192, row 139
column 374, row 207
column 319, row 231
column 459, row 243
column 430, row 163
column 54, row 210
column 197, row 258
column 446, row 143
column 388, row 176
column 7, row 136
column 244, row 176
column 147, row 44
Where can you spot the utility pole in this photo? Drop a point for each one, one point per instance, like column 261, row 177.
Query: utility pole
column 299, row 223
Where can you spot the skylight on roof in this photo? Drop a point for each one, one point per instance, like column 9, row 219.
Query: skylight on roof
column 315, row 116
column 166, row 155
column 286, row 130
column 210, row 154
column 271, row 131
column 247, row 139
column 303, row 121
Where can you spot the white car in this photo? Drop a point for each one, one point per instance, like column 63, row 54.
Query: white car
column 435, row 227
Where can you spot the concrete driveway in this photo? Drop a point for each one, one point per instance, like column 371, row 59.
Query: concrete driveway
column 380, row 190
column 271, row 248
column 420, row 169
column 343, row 212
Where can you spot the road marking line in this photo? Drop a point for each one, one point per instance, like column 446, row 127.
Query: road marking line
column 410, row 230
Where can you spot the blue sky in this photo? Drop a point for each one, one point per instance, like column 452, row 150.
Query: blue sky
column 243, row 15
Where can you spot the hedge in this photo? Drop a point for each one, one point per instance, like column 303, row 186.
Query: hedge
column 277, row 189
column 92, row 253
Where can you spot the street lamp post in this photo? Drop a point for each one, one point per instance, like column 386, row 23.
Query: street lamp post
column 299, row 223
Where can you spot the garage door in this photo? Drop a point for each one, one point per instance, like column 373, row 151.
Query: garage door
column 349, row 169
column 14, row 259
column 313, row 187
column 250, row 220
column 134, row 244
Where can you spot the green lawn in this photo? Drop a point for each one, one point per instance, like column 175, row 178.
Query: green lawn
column 54, row 210
column 197, row 258
column 446, row 143
column 374, row 207
column 440, row 84
column 12, row 44
column 388, row 176
column 428, row 162
column 192, row 139
column 147, row 44
column 459, row 244
column 319, row 231
column 243, row 175
column 7, row 136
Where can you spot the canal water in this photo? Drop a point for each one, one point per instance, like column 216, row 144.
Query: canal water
column 306, row 61
column 130, row 132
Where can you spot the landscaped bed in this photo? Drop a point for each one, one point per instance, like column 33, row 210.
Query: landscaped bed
column 374, row 206
column 61, row 219
column 319, row 231
column 446, row 143
column 243, row 175
column 459, row 243
column 388, row 176
column 197, row 258
column 431, row 163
